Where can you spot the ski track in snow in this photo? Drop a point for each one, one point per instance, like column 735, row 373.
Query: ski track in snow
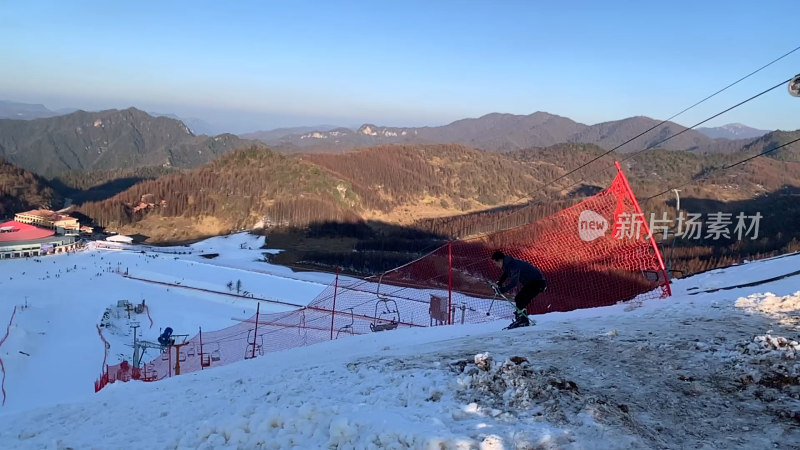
column 712, row 371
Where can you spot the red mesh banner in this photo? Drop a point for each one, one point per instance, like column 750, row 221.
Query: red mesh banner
column 595, row 253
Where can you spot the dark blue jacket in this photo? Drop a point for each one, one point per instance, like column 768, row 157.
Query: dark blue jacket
column 518, row 271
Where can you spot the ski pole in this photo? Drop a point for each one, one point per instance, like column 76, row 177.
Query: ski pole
column 497, row 294
column 494, row 288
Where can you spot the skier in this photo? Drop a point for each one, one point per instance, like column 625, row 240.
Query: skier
column 525, row 274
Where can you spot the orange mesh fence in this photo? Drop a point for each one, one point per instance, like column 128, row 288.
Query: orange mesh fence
column 595, row 253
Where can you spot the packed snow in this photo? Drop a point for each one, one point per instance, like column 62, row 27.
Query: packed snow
column 712, row 370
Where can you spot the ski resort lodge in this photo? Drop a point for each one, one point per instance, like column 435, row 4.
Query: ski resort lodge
column 39, row 232
column 63, row 223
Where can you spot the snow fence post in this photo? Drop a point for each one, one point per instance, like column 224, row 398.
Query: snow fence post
column 335, row 288
column 450, row 283
column 201, row 347
column 255, row 333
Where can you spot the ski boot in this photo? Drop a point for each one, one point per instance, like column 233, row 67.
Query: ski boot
column 521, row 320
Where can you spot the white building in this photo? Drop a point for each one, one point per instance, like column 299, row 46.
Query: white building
column 120, row 238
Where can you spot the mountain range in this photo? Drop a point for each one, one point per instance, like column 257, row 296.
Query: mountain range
column 107, row 140
column 28, row 111
column 125, row 139
column 503, row 132
column 508, row 132
column 195, row 125
column 733, row 131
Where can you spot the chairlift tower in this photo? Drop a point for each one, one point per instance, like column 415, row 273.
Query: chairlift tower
column 134, row 324
column 176, row 340
column 178, row 343
column 140, row 347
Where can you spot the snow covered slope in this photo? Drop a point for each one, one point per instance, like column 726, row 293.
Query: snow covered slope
column 709, row 370
column 53, row 351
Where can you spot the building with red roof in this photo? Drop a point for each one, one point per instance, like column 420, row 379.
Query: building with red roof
column 17, row 231
column 22, row 240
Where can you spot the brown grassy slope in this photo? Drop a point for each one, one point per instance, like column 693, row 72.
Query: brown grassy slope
column 236, row 190
column 397, row 184
column 403, row 172
column 448, row 189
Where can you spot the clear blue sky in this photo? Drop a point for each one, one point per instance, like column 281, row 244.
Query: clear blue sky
column 261, row 65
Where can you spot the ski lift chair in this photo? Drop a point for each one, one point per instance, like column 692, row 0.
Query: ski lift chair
column 206, row 358
column 389, row 318
column 257, row 341
column 348, row 328
column 149, row 373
